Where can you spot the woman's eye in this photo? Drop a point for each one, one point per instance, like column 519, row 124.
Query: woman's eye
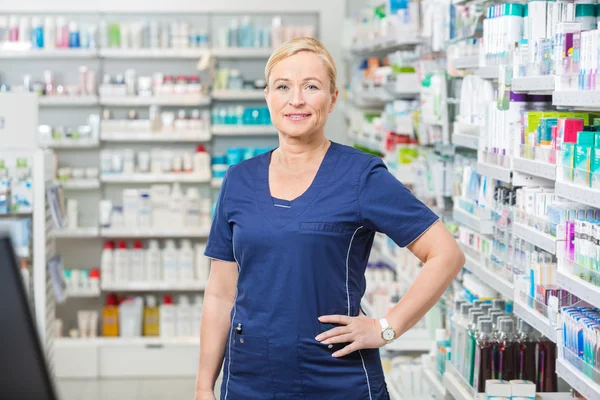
column 282, row 87
column 312, row 87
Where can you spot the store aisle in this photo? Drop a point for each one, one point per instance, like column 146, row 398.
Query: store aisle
column 123, row 389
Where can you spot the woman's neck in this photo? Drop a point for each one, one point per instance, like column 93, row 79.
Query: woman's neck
column 293, row 153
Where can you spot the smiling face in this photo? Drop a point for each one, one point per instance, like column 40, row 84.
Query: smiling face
column 299, row 95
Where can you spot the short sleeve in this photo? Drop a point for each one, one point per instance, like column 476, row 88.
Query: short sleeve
column 220, row 238
column 387, row 206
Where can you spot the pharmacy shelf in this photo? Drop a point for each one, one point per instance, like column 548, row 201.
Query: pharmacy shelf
column 535, row 168
column 494, row 281
column 588, row 100
column 484, row 227
column 143, row 101
column 393, row 90
column 385, row 45
column 535, row 237
column 154, row 286
column 68, row 101
column 416, row 345
column 540, row 322
column 154, row 178
column 393, row 388
column 582, row 289
column 240, row 130
column 457, row 387
column 81, row 184
column 533, row 84
column 83, row 293
column 124, row 341
column 155, row 233
column 579, row 194
column 468, row 128
column 435, row 383
column 72, row 144
column 216, row 183
column 49, row 54
column 494, row 171
column 578, row 380
column 233, row 52
column 149, row 137
column 488, row 72
column 466, row 141
column 154, row 53
column 238, row 95
column 82, row 233
column 467, row 62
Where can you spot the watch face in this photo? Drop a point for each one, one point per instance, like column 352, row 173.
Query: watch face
column 388, row 334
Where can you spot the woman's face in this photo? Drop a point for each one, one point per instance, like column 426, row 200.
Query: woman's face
column 299, row 95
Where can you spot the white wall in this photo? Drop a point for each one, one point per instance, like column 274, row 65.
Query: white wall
column 331, row 21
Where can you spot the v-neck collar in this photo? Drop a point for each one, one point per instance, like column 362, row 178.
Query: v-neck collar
column 300, row 203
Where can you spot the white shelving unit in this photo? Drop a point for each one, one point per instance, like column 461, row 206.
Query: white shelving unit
column 232, row 52
column 494, row 281
column 535, row 237
column 535, row 168
column 68, row 101
column 216, row 183
column 78, row 233
column 540, row 322
column 484, row 227
column 468, row 62
column 72, row 144
column 240, row 130
column 580, row 194
column 588, row 100
column 576, row 379
column 494, row 171
column 466, row 141
column 238, row 95
column 81, row 184
column 488, row 72
column 154, row 178
column 582, row 289
column 154, row 286
column 155, row 233
column 149, row 137
column 435, row 382
column 190, row 53
column 141, row 101
column 49, row 54
column 83, row 294
column 533, row 84
column 386, row 45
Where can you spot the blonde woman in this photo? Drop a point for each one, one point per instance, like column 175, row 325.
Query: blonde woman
column 290, row 240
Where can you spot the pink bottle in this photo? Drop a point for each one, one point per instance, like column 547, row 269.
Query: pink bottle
column 13, row 29
column 62, row 33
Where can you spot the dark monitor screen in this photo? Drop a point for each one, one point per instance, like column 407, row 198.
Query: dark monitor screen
column 23, row 371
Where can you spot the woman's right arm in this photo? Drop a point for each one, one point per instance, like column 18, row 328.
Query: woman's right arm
column 219, row 298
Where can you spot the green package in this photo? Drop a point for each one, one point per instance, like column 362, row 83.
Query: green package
column 595, row 168
column 581, row 164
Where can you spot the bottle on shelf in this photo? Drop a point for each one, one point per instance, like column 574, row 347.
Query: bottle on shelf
column 110, row 317
column 202, row 161
column 94, row 280
column 469, row 345
column 526, row 352
column 138, row 264
column 131, row 315
column 167, row 317
column 202, row 264
column 547, row 380
column 107, row 262
column 122, row 262
column 184, row 317
column 193, row 208
column 196, row 315
column 461, row 334
column 169, row 262
column 153, row 262
column 186, row 262
column 177, row 206
column 484, row 367
column 151, row 317
column 507, row 342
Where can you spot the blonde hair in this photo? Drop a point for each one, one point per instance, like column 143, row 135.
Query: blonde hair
column 294, row 46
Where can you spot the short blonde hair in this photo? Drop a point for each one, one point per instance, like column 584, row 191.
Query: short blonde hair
column 294, row 46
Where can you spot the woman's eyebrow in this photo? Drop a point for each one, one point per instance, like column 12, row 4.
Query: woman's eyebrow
column 310, row 78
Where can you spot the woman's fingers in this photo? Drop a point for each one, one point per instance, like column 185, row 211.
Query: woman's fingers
column 352, row 347
column 349, row 337
column 332, row 333
column 336, row 319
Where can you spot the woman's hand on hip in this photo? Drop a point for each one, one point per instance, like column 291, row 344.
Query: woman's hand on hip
column 361, row 332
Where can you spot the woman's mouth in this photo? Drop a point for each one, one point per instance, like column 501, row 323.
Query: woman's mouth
column 297, row 117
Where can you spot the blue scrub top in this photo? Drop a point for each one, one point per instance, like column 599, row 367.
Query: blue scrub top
column 302, row 259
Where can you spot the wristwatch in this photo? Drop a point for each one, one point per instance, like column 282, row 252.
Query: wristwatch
column 387, row 332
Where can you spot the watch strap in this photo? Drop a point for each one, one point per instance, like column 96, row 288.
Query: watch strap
column 384, row 324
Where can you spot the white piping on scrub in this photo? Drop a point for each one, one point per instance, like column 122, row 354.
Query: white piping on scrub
column 232, row 319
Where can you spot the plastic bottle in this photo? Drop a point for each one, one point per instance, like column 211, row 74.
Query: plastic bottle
column 547, row 381
column 184, row 317
column 193, row 208
column 233, row 34
column 202, row 264
column 169, row 262
column 24, row 30
column 484, row 367
column 138, row 264
column 202, row 162
column 467, row 371
column 95, row 280
column 167, row 318
column 37, row 30
column 122, row 262
column 110, row 317
column 74, row 36
column 196, row 315
column 153, row 262
column 186, row 262
column 443, row 349
column 454, row 329
column 13, row 29
column 107, row 267
column 526, row 352
column 62, row 33
column 151, row 317
column 177, row 207
column 461, row 332
column 507, row 341
column 49, row 33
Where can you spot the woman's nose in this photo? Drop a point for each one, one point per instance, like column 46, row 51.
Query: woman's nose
column 296, row 98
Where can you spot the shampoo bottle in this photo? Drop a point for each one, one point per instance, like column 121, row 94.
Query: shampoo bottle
column 484, row 356
column 184, row 317
column 507, row 341
column 110, row 317
column 167, row 317
column 153, row 262
column 151, row 316
column 169, row 262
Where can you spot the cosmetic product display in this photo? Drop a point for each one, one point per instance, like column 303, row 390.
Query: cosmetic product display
column 153, row 34
column 240, row 115
column 245, row 33
column 48, row 87
column 158, row 85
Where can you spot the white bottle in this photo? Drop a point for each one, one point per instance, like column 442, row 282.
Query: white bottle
column 177, row 207
column 106, row 265
column 153, row 262
column 202, row 162
column 122, row 262
column 184, row 317
column 196, row 315
column 49, row 33
column 193, row 208
column 186, row 262
column 167, row 318
column 138, row 265
column 169, row 262
column 202, row 264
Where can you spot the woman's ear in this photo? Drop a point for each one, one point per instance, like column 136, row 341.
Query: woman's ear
column 334, row 98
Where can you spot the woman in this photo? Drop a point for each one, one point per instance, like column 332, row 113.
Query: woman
column 290, row 240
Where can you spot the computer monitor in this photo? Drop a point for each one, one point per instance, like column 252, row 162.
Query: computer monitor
column 23, row 370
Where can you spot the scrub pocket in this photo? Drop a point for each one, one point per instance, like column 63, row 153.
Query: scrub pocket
column 328, row 228
column 250, row 371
